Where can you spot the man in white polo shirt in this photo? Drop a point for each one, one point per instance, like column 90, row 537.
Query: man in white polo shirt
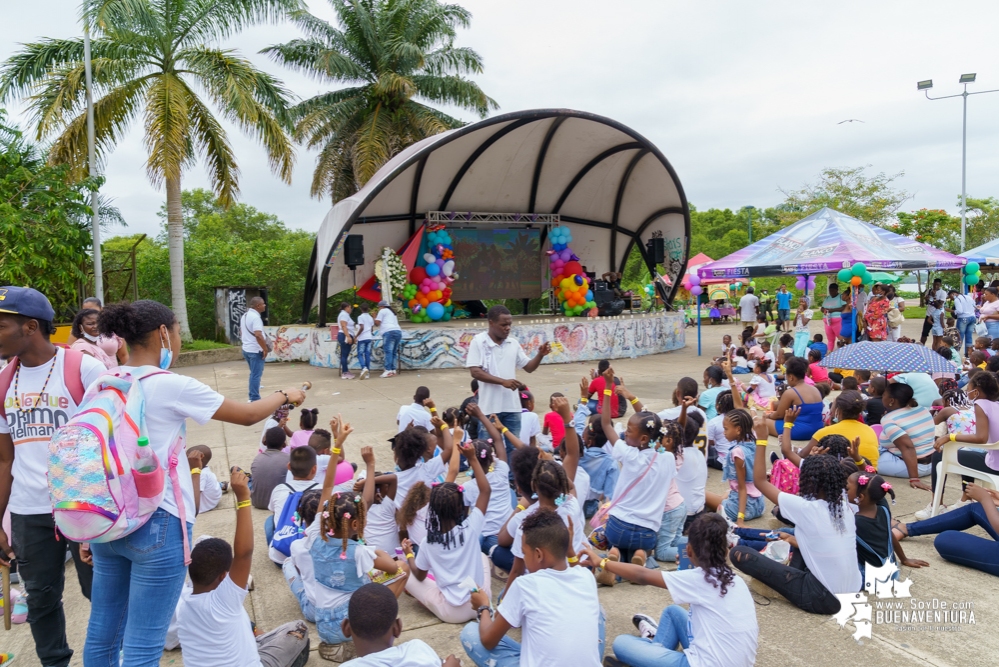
column 493, row 359
column 255, row 347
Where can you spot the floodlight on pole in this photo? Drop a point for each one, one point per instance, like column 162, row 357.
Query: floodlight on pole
column 92, row 159
column 964, row 80
column 749, row 211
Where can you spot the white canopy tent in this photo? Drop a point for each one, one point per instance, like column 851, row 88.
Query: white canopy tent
column 610, row 185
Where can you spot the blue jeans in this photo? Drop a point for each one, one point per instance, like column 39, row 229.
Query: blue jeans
column 754, row 538
column 487, row 542
column 344, row 352
column 951, row 543
column 993, row 327
column 966, row 331
column 660, row 651
column 670, row 533
column 390, row 343
column 512, row 421
column 507, row 651
column 754, row 506
column 137, row 582
column 364, row 353
column 628, row 537
column 256, row 362
column 269, row 528
column 327, row 620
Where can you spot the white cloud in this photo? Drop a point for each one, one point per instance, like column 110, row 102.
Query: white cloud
column 742, row 98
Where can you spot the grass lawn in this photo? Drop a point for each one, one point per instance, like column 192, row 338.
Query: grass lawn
column 200, row 345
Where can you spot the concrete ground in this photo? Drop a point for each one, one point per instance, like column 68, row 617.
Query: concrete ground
column 787, row 635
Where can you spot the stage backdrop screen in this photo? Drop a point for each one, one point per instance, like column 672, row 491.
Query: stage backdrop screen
column 496, row 263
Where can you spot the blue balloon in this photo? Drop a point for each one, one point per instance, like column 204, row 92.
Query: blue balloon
column 433, row 269
column 435, row 311
column 589, row 295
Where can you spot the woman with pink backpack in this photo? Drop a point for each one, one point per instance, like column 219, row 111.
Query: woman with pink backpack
column 138, row 577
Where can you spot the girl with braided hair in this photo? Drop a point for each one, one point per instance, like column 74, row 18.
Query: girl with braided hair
column 332, row 561
column 876, row 544
column 719, row 629
column 824, row 562
column 744, row 501
column 451, row 551
column 647, row 470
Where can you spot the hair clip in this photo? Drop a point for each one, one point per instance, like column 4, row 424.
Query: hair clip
column 326, row 515
column 461, row 488
column 346, row 515
column 886, row 486
column 560, row 500
column 523, row 395
column 870, row 469
column 660, row 450
column 434, row 484
column 863, row 480
column 489, row 440
column 650, row 424
column 663, row 429
column 483, row 454
column 343, row 555
column 357, row 499
column 534, row 496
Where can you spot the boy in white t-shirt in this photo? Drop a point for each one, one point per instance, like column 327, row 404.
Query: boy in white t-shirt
column 213, row 627
column 555, row 605
column 415, row 414
column 365, row 333
column 372, row 623
column 209, row 487
column 302, row 466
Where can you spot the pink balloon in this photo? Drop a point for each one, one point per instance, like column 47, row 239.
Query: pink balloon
column 425, row 289
column 344, row 472
column 559, row 263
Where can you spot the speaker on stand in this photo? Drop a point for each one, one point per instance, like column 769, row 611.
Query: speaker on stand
column 353, row 256
column 656, row 249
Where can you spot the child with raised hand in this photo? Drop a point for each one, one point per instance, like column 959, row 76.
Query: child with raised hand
column 373, row 624
column 451, row 551
column 341, row 561
column 824, row 563
column 541, row 602
column 719, row 629
column 595, row 457
column 876, row 543
column 492, row 457
column 635, row 514
column 522, row 466
column 212, row 624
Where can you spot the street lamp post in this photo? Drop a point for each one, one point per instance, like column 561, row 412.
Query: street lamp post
column 92, row 159
column 749, row 211
column 964, row 80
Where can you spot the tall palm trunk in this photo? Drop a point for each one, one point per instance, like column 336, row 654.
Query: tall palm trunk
column 175, row 231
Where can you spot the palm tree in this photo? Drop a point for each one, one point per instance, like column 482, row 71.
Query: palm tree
column 158, row 60
column 391, row 51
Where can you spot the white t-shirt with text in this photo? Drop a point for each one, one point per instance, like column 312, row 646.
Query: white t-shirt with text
column 214, row 629
column 413, row 653
column 643, row 504
column 462, row 559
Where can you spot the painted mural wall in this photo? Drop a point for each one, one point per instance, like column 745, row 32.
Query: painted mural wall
column 572, row 339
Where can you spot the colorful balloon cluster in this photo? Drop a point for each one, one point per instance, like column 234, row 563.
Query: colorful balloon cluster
column 804, row 282
column 695, row 284
column 571, row 286
column 428, row 293
column 856, row 275
column 972, row 273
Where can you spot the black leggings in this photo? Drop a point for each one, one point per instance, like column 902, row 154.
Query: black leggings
column 793, row 581
column 967, row 458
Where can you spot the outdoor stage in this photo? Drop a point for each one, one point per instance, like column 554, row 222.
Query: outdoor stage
column 445, row 344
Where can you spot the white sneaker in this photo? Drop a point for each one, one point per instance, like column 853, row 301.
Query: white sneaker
column 647, row 628
column 347, row 376
column 364, row 373
column 386, row 374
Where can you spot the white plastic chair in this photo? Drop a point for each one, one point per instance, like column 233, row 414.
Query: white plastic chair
column 949, row 465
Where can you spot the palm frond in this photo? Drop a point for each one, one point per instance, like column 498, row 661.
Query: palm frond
column 210, row 138
column 167, row 126
column 24, row 70
column 208, row 21
column 319, row 60
column 373, row 145
column 455, row 90
column 453, row 60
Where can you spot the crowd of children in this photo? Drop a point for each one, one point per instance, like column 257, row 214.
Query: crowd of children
column 594, row 503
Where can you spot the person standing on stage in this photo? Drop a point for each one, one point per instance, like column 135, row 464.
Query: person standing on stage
column 255, row 347
column 493, row 359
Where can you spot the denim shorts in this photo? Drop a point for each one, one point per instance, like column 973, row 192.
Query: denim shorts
column 754, row 506
column 628, row 536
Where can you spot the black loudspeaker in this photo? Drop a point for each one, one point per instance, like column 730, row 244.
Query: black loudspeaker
column 657, row 250
column 353, row 250
column 611, row 308
column 602, row 293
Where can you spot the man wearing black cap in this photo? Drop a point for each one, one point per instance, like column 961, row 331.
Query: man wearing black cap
column 41, row 388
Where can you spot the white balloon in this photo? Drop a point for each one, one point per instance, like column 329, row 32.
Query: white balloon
column 448, row 267
column 429, row 258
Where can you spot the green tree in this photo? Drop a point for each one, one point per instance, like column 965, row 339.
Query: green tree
column 982, row 221
column 931, row 226
column 44, row 222
column 159, row 60
column 873, row 199
column 206, row 217
column 388, row 52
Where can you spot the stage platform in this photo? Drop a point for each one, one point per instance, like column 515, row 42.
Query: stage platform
column 444, row 344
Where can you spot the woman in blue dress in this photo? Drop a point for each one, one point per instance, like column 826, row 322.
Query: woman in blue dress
column 799, row 393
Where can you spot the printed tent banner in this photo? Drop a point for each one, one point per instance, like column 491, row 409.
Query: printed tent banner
column 825, row 242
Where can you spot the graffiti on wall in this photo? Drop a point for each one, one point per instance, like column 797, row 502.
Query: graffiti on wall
column 235, row 307
column 446, row 347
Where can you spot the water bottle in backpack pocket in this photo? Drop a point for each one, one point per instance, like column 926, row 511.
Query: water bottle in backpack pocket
column 287, row 526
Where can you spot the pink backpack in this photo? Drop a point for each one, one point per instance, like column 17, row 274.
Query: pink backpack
column 784, row 475
column 97, row 493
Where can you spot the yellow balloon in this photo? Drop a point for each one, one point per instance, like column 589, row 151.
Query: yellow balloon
column 448, row 303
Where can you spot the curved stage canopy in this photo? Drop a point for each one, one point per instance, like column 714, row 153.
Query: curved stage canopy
column 610, row 185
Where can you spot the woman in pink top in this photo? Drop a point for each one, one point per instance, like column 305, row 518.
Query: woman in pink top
column 307, row 424
column 990, row 311
column 85, row 331
column 983, row 390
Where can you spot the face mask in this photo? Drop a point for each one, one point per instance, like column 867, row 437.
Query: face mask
column 166, row 356
column 92, row 339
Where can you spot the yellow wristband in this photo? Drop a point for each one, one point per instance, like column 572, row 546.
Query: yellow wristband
column 607, row 392
column 603, row 564
column 410, row 555
column 336, row 450
column 504, row 431
column 573, row 559
column 633, row 401
column 787, row 426
column 741, row 515
column 953, row 437
column 195, row 471
column 521, row 508
column 762, row 443
column 433, row 409
column 242, row 503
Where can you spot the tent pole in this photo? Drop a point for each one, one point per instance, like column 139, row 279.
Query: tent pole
column 698, row 301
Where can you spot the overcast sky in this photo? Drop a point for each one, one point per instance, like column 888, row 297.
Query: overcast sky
column 742, row 98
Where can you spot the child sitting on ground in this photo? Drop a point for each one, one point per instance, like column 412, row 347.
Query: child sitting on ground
column 211, row 489
column 269, row 467
column 744, row 501
column 492, row 457
column 876, row 543
column 303, row 468
column 415, row 414
column 278, row 419
column 451, row 551
column 373, row 624
column 553, row 428
column 213, row 627
column 819, row 345
column 540, row 602
column 719, row 629
column 815, row 371
column 307, row 421
column 762, row 387
column 718, row 444
column 522, row 466
column 530, row 425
